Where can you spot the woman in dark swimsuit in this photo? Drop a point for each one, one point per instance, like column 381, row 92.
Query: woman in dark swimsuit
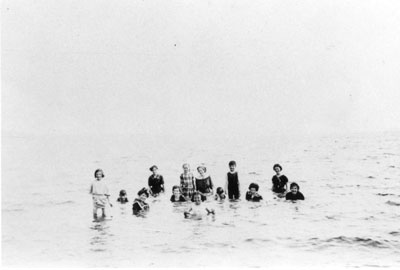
column 204, row 184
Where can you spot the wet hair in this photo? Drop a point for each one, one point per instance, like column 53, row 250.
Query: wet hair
column 204, row 168
column 277, row 165
column 98, row 170
column 122, row 192
column 294, row 185
column 143, row 191
column 232, row 163
column 152, row 167
column 220, row 190
column 176, row 187
column 254, row 185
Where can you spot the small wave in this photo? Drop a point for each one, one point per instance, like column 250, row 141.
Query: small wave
column 393, row 203
column 371, row 177
column 384, row 194
column 64, row 202
column 395, row 233
column 254, row 173
column 392, row 166
column 358, row 240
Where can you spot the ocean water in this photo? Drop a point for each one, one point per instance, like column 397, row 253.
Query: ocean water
column 350, row 218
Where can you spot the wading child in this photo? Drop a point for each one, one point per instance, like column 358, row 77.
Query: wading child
column 139, row 204
column 252, row 194
column 279, row 181
column 197, row 211
column 123, row 198
column 220, row 194
column 100, row 194
column 294, row 193
column 176, row 195
column 156, row 182
column 232, row 182
column 204, row 184
column 187, row 182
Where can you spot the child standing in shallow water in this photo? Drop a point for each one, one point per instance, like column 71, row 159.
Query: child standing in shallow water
column 232, row 182
column 187, row 182
column 100, row 194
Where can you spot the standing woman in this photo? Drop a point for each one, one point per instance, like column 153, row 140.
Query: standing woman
column 156, row 182
column 204, row 184
column 279, row 181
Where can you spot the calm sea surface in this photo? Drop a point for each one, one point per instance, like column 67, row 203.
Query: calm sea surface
column 350, row 218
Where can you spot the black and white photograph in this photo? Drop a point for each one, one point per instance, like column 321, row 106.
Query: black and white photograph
column 200, row 134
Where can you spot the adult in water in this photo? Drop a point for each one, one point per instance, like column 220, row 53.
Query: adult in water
column 279, row 181
column 204, row 184
column 294, row 193
column 156, row 182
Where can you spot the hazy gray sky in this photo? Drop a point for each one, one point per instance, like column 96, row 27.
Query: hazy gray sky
column 200, row 67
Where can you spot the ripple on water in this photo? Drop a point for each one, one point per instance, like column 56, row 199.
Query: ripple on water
column 368, row 242
column 393, row 203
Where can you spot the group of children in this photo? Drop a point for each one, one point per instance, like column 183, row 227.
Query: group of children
column 194, row 189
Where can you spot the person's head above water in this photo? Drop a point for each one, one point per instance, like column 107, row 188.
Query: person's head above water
column 232, row 165
column 99, row 173
column 277, row 167
column 201, row 169
column 143, row 191
column 220, row 190
column 152, row 168
column 122, row 193
column 197, row 198
column 294, row 187
column 254, row 185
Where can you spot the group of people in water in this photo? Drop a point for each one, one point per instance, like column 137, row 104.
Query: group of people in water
column 191, row 189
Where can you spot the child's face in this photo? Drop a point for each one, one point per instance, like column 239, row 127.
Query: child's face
column 176, row 192
column 197, row 199
column 277, row 169
column 143, row 197
column 232, row 168
column 99, row 175
column 294, row 189
column 185, row 168
column 253, row 190
column 154, row 171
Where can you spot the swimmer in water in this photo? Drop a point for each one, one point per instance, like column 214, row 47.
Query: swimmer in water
column 197, row 211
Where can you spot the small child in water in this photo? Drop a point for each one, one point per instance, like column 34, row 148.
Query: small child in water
column 139, row 204
column 252, row 194
column 294, row 193
column 176, row 195
column 100, row 194
column 232, row 185
column 220, row 194
column 197, row 210
column 123, row 198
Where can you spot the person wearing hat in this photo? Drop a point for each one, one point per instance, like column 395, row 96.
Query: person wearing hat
column 279, row 181
column 156, row 182
column 140, row 205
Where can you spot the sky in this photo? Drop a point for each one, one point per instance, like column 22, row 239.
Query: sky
column 200, row 68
